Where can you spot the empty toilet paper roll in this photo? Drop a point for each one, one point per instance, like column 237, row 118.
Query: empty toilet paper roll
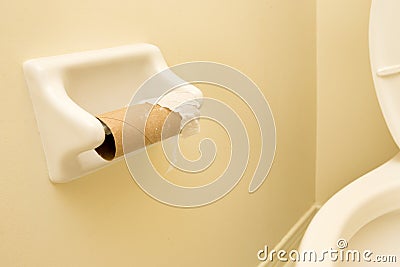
column 145, row 124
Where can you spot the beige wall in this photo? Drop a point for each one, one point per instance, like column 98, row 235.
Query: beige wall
column 352, row 137
column 104, row 219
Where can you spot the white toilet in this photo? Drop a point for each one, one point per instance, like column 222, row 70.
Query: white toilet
column 364, row 217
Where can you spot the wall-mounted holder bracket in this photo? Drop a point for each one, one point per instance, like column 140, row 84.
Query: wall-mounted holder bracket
column 67, row 92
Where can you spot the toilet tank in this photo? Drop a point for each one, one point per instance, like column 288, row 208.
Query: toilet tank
column 384, row 45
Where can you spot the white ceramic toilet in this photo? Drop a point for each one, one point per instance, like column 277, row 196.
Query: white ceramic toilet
column 365, row 215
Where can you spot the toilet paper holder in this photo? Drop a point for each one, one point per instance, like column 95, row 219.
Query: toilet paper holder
column 68, row 90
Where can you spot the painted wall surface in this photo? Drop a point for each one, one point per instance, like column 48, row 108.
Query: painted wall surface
column 104, row 219
column 352, row 137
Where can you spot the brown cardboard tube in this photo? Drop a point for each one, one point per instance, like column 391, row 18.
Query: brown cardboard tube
column 143, row 124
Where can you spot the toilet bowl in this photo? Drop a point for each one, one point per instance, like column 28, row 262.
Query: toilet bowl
column 360, row 225
column 364, row 216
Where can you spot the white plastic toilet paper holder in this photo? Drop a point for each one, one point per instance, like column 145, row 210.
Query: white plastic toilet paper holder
column 68, row 90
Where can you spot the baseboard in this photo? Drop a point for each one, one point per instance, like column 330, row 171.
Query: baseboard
column 293, row 238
